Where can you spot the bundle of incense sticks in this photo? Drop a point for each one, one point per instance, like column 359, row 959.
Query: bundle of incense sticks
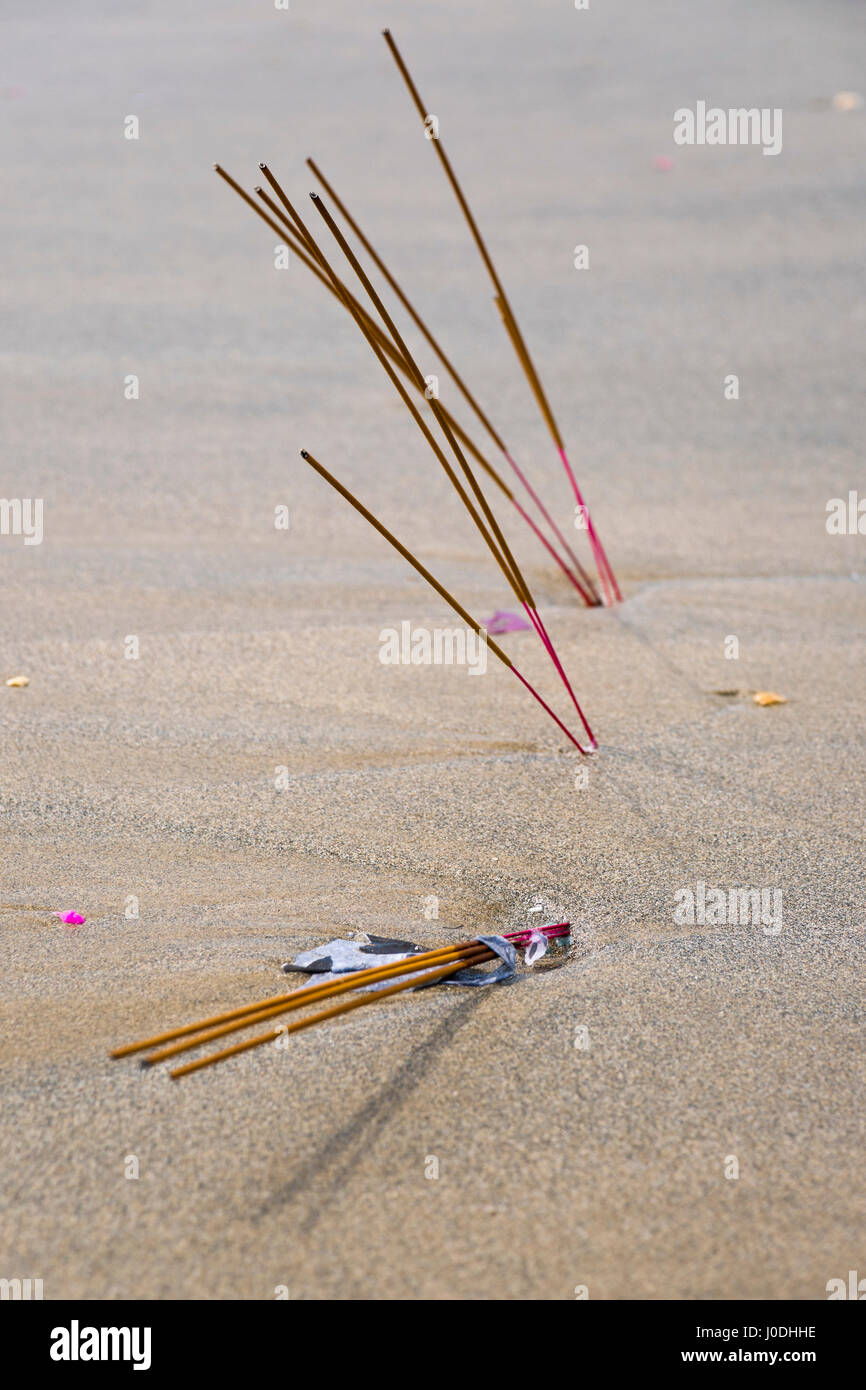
column 394, row 356
column 422, row 969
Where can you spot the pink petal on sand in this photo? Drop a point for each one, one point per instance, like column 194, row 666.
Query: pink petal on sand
column 72, row 919
column 504, row 622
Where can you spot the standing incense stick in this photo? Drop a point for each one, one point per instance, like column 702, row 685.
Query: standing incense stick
column 526, row 598
column 488, row 527
column 606, row 574
column 454, row 374
column 449, row 599
column 287, row 232
column 491, row 534
column 434, row 404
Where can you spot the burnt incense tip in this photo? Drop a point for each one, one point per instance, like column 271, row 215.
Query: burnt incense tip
column 386, row 33
column 315, row 197
column 262, row 166
column 304, row 454
column 217, row 167
column 258, row 188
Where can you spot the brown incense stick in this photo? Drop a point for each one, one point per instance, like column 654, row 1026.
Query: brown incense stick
column 410, row 309
column 302, row 997
column 452, row 602
column 501, row 553
column 602, row 564
column 517, row 343
column 288, row 233
column 527, row 599
column 285, row 230
column 414, row 982
column 274, row 1001
column 407, row 555
column 343, row 294
column 522, row 587
column 467, row 213
column 450, row 368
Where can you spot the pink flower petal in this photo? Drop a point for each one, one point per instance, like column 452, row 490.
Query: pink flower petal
column 504, row 622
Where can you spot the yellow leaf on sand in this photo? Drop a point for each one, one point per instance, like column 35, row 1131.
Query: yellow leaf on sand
column 847, row 101
column 18, row 680
column 767, row 697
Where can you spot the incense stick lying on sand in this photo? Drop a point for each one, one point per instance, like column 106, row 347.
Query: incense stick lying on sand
column 219, row 1024
column 282, row 1002
column 453, row 373
column 605, row 573
column 419, row 973
column 287, row 232
column 430, row 977
column 313, row 994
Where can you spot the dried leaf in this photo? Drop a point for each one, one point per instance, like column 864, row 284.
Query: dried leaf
column 768, row 697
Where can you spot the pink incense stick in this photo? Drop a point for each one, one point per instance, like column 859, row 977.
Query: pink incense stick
column 537, row 622
column 590, row 602
column 605, row 573
column 555, row 717
column 556, row 531
column 552, row 932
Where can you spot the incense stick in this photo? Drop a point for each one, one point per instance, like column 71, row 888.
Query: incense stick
column 309, row 992
column 525, row 598
column 449, row 599
column 357, row 980
column 492, row 537
column 452, row 371
column 602, row 563
column 287, row 232
column 414, row 982
column 296, row 999
column 274, row 1001
column 434, row 404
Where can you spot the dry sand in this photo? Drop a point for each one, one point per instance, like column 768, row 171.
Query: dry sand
column 559, row 1166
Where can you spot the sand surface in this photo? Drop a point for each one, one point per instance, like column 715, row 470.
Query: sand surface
column 601, row 1166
